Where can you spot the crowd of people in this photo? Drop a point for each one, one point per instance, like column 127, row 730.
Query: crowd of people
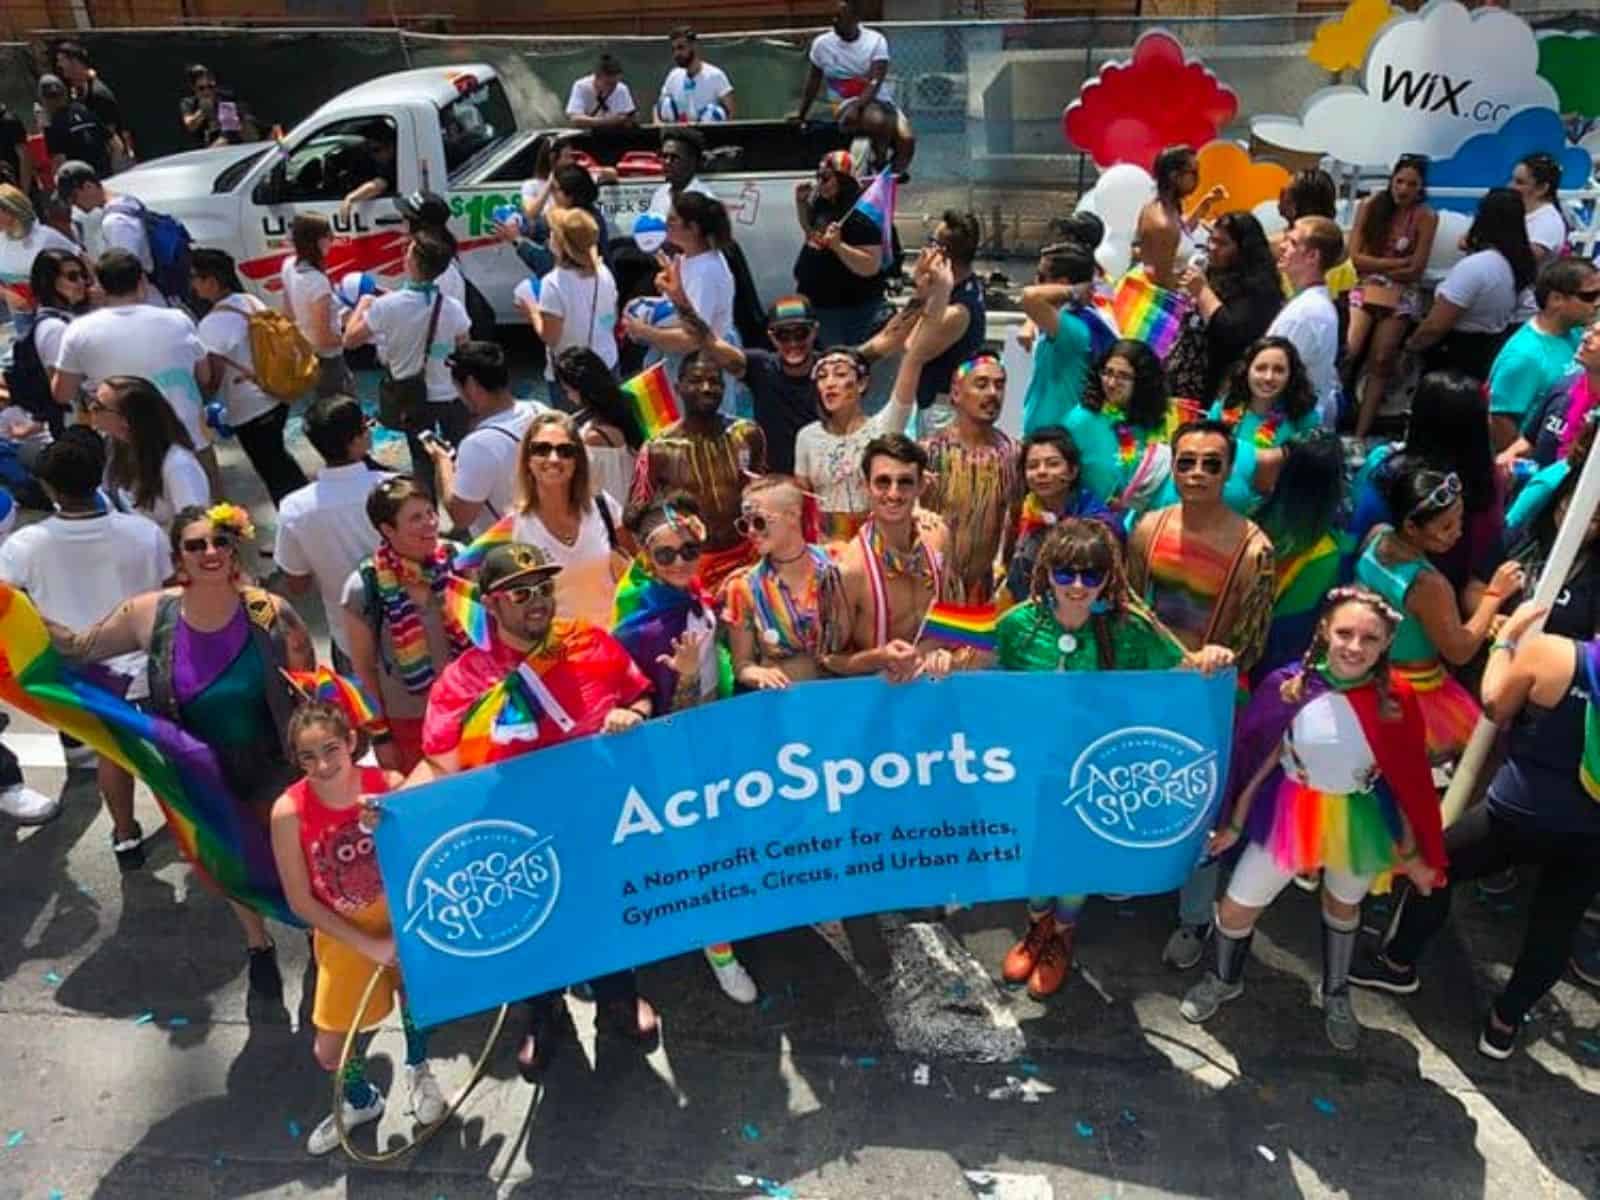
column 1186, row 513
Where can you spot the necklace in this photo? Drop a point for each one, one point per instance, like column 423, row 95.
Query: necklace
column 796, row 557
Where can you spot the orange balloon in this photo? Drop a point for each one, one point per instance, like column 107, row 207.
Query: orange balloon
column 1247, row 182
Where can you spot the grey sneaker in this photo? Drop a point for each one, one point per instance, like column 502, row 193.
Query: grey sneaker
column 1201, row 1001
column 1186, row 945
column 1339, row 1020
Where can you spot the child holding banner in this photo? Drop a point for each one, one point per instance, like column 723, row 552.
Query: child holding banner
column 1328, row 773
column 323, row 846
column 1081, row 616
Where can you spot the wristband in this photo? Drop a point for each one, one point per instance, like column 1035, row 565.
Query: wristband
column 1491, row 594
column 1236, row 828
column 1503, row 645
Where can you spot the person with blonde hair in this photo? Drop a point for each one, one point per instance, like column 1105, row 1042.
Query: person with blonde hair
column 577, row 301
column 22, row 237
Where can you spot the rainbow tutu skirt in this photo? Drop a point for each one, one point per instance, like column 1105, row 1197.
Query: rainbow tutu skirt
column 1448, row 710
column 1304, row 829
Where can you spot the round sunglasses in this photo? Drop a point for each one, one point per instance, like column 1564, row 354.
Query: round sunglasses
column 687, row 553
column 1085, row 577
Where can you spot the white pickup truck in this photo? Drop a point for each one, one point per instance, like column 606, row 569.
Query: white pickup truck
column 454, row 133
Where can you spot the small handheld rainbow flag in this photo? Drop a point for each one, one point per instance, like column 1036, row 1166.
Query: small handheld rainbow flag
column 962, row 624
column 876, row 203
column 651, row 397
column 326, row 687
column 497, row 534
column 464, row 610
column 1149, row 313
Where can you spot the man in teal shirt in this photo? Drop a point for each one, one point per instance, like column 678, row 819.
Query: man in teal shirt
column 1063, row 342
column 1539, row 355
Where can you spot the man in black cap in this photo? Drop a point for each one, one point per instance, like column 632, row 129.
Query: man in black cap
column 429, row 210
column 73, row 132
column 579, row 680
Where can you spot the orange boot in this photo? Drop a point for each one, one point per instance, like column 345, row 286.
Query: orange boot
column 1054, row 963
column 1021, row 958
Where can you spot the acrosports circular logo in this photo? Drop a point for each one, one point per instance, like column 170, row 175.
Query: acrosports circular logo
column 1143, row 787
column 482, row 889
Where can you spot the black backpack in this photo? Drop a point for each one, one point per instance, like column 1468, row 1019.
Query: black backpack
column 90, row 139
column 28, row 376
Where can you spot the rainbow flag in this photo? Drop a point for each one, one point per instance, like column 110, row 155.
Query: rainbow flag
column 464, row 610
column 325, row 687
column 651, row 397
column 962, row 624
column 876, row 203
column 1148, row 313
column 497, row 534
column 227, row 844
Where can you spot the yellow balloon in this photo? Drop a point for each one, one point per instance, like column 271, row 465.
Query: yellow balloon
column 1342, row 43
column 1246, row 182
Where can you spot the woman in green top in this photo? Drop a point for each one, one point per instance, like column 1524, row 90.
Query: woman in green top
column 1080, row 617
column 1269, row 400
column 1395, row 563
column 1116, row 423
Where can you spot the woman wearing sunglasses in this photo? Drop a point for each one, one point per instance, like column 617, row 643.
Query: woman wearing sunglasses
column 1328, row 774
column 578, row 529
column 61, row 284
column 151, row 468
column 1209, row 574
column 1121, row 427
column 1397, row 562
column 1079, row 615
column 668, row 624
column 217, row 648
column 1051, row 469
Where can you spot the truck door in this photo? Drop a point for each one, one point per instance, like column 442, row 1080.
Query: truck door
column 315, row 174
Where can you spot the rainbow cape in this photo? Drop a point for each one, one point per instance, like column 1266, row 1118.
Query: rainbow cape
column 229, row 847
column 962, row 624
column 1587, row 677
column 876, row 203
column 1148, row 313
column 651, row 398
column 326, row 687
column 497, row 534
column 646, row 614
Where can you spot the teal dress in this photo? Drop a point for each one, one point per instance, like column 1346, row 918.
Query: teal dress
column 1393, row 581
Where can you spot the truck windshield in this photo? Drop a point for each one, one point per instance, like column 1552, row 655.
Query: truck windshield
column 481, row 117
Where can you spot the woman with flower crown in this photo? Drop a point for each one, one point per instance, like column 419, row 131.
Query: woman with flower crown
column 218, row 648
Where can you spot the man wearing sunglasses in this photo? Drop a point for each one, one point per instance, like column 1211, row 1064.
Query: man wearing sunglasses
column 578, row 680
column 1210, row 575
column 1539, row 355
column 710, row 456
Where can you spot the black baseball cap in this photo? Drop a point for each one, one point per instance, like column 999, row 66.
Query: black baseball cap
column 424, row 208
column 514, row 563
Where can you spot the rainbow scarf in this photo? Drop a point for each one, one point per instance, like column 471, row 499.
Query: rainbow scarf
column 1149, row 313
column 651, row 398
column 641, row 599
column 408, row 638
column 498, row 534
column 223, row 841
column 1033, row 516
column 788, row 628
column 1588, row 680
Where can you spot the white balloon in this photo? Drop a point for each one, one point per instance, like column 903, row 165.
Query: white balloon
column 1271, row 219
column 1114, row 254
column 1446, row 252
column 1120, row 193
column 1086, row 203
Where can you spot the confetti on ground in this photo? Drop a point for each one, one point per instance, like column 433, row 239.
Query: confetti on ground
column 866, row 1062
column 1027, row 1066
column 57, row 1194
column 1326, row 1107
column 294, row 1130
column 52, row 978
column 177, row 1022
column 750, row 1133
column 920, row 1075
column 144, row 1018
column 957, row 991
column 770, row 1187
column 1084, row 1129
column 1266, row 1154
column 1589, row 1044
column 766, row 1004
column 1128, row 1118
column 14, row 1139
column 216, row 1160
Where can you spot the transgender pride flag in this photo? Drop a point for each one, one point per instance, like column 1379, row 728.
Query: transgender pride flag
column 877, row 205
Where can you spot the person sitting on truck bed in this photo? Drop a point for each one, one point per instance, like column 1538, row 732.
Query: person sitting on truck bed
column 601, row 100
column 370, row 163
column 853, row 62
column 885, row 140
column 694, row 89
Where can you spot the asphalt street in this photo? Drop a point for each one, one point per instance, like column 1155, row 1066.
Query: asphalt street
column 135, row 1068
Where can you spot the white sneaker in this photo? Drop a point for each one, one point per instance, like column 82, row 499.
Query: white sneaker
column 735, row 980
column 427, row 1101
column 80, row 757
column 28, row 807
column 325, row 1137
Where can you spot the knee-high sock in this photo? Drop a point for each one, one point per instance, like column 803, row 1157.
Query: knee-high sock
column 416, row 1039
column 1232, row 951
column 720, row 953
column 1338, row 945
column 358, row 1092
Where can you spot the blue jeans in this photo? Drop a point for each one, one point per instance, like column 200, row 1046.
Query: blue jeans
column 850, row 326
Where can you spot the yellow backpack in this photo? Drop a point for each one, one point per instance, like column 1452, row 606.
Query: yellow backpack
column 285, row 364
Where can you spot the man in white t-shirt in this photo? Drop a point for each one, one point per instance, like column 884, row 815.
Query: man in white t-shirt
column 77, row 566
column 1312, row 247
column 694, row 89
column 129, row 337
column 398, row 323
column 681, row 153
column 120, row 225
column 323, row 531
column 601, row 100
column 479, row 484
column 851, row 62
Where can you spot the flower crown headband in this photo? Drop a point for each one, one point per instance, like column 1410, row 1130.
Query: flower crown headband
column 232, row 518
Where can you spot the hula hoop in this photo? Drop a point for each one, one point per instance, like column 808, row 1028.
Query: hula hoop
column 384, row 1156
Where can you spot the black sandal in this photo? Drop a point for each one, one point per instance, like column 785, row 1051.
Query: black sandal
column 129, row 850
column 539, row 1038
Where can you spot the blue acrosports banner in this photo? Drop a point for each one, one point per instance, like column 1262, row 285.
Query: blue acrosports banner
column 778, row 809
